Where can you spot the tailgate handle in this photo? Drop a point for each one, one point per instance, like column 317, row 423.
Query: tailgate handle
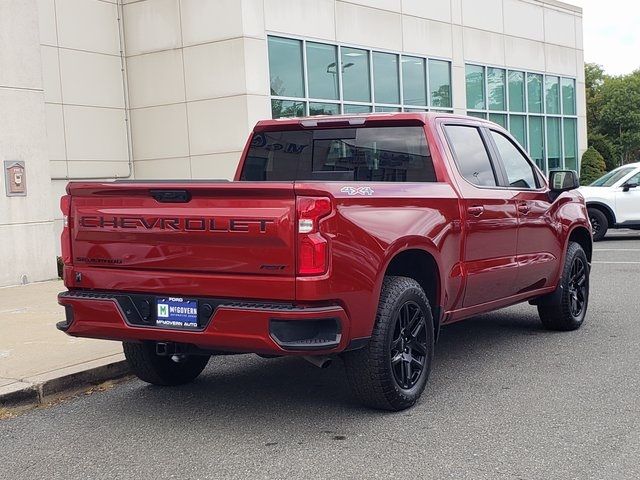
column 171, row 196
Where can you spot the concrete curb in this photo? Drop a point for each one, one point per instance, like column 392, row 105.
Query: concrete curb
column 36, row 389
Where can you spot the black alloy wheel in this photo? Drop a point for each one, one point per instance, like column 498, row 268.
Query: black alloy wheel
column 409, row 345
column 578, row 287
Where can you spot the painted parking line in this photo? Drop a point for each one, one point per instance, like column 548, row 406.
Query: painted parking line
column 618, row 263
column 617, row 250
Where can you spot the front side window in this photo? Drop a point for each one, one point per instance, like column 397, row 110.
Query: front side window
column 367, row 154
column 471, row 155
column 635, row 180
column 519, row 172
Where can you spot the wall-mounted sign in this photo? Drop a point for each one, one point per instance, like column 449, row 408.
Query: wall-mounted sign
column 15, row 179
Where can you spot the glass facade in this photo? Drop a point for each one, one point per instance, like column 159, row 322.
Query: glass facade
column 539, row 110
column 312, row 78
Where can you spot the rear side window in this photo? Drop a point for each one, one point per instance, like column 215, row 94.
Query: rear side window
column 471, row 155
column 373, row 154
column 519, row 170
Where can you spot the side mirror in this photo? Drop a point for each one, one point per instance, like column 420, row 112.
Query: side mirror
column 628, row 186
column 563, row 180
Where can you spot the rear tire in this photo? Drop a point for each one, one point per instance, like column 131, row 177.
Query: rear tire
column 599, row 223
column 566, row 308
column 391, row 372
column 162, row 370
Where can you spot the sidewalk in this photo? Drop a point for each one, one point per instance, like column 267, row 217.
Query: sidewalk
column 36, row 359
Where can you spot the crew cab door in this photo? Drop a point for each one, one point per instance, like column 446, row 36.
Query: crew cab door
column 490, row 218
column 539, row 245
column 628, row 202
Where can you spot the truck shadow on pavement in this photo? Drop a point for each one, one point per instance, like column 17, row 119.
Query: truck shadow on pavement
column 271, row 391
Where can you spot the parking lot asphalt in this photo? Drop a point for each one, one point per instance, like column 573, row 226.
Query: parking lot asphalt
column 506, row 400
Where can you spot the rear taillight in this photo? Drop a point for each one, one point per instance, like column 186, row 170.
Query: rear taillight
column 313, row 248
column 65, row 238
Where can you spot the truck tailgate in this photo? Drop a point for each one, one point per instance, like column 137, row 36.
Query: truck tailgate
column 184, row 227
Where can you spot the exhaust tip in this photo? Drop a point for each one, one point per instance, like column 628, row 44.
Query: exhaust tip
column 318, row 361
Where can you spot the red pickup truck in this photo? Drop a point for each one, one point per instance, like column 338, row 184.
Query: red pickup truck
column 360, row 236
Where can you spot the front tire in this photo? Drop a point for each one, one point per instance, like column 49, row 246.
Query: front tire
column 599, row 223
column 391, row 372
column 163, row 370
column 566, row 308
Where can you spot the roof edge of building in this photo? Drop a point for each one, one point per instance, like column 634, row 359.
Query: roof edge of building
column 564, row 5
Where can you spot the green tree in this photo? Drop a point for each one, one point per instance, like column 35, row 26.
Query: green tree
column 592, row 166
column 620, row 114
column 594, row 78
column 606, row 148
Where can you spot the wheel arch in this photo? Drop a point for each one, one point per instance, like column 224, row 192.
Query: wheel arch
column 418, row 263
column 606, row 209
column 582, row 236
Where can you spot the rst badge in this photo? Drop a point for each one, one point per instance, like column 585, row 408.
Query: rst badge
column 353, row 191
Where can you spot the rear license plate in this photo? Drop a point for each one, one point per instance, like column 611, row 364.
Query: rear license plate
column 177, row 312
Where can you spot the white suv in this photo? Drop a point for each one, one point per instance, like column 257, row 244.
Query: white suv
column 614, row 200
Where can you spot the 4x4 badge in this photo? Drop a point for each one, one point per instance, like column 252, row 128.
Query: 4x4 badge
column 357, row 190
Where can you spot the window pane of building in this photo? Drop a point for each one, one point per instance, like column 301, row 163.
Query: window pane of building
column 285, row 67
column 499, row 118
column 553, row 143
column 440, row 83
column 324, row 108
column 417, row 110
column 534, row 92
column 386, row 84
column 414, row 81
column 478, row 115
column 552, row 94
column 568, row 96
column 355, row 75
column 287, row 108
column 516, row 91
column 536, row 139
column 570, row 147
column 348, row 108
column 496, row 89
column 379, row 108
column 475, row 87
column 518, row 128
column 322, row 71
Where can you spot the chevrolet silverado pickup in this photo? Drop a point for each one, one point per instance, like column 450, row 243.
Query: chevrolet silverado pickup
column 355, row 237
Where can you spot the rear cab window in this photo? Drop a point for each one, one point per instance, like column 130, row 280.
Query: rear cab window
column 363, row 154
column 471, row 155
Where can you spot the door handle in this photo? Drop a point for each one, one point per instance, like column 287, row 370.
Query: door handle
column 476, row 210
column 524, row 208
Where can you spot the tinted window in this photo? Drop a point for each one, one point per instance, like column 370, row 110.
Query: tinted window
column 519, row 171
column 635, row 180
column 471, row 155
column 388, row 154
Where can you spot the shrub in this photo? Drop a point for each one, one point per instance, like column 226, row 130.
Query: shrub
column 593, row 166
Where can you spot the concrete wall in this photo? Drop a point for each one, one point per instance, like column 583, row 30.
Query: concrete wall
column 84, row 92
column 26, row 223
column 198, row 81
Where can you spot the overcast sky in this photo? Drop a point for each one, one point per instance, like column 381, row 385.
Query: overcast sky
column 611, row 33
